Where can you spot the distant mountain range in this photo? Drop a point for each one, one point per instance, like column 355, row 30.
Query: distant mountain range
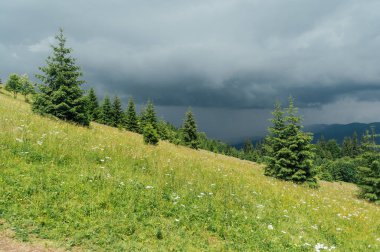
column 329, row 131
column 339, row 131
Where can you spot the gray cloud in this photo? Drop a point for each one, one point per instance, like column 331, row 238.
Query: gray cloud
column 215, row 55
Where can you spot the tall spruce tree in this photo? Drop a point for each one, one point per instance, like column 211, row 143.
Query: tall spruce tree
column 369, row 171
column 60, row 92
column 148, row 115
column 365, row 142
column 291, row 150
column 106, row 112
column 189, row 131
column 13, row 84
column 369, row 177
column 131, row 117
column 299, row 145
column 275, row 142
column 93, row 105
column 117, row 113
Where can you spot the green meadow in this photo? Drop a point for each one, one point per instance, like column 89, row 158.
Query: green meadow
column 103, row 189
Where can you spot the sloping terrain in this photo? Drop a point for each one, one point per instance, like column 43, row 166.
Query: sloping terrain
column 101, row 188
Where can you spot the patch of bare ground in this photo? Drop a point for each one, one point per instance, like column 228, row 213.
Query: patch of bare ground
column 10, row 244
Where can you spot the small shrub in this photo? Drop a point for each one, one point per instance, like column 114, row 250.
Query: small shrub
column 343, row 169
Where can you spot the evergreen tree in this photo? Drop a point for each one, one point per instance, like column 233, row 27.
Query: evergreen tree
column 249, row 152
column 150, row 134
column 27, row 86
column 248, row 146
column 347, row 148
column 148, row 115
column 117, row 113
column 60, row 92
column 93, row 105
column 13, row 85
column 275, row 142
column 369, row 177
column 106, row 112
column 131, row 117
column 322, row 150
column 365, row 143
column 355, row 145
column 333, row 148
column 299, row 144
column 189, row 130
column 163, row 130
column 292, row 150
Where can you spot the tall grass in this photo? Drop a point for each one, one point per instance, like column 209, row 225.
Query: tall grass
column 101, row 188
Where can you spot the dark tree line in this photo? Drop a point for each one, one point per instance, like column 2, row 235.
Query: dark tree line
column 355, row 161
column 60, row 95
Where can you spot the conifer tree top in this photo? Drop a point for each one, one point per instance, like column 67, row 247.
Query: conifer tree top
column 60, row 92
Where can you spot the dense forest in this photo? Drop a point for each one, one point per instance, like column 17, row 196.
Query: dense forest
column 287, row 151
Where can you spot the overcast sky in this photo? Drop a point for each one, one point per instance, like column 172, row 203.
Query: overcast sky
column 230, row 60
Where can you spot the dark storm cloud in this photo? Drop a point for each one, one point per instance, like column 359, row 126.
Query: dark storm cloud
column 231, row 54
column 210, row 54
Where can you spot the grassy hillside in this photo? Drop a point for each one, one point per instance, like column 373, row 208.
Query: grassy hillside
column 103, row 189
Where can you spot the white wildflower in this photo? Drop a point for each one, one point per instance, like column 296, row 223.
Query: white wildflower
column 149, row 187
column 40, row 142
column 319, row 246
column 270, row 227
column 201, row 195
